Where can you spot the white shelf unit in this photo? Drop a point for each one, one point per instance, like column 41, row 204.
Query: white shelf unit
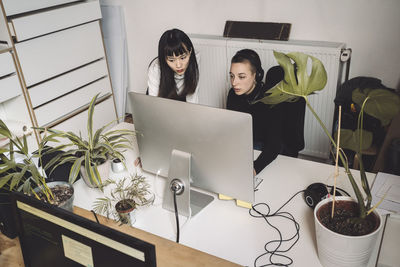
column 11, row 97
column 60, row 59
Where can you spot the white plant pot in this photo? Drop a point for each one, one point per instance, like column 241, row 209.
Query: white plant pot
column 68, row 204
column 337, row 250
column 104, row 170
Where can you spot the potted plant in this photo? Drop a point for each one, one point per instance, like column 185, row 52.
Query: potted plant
column 126, row 195
column 91, row 156
column 347, row 248
column 19, row 172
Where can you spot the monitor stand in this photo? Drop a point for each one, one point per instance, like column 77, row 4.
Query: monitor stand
column 189, row 202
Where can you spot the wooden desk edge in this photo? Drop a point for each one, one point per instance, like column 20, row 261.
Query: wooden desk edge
column 168, row 253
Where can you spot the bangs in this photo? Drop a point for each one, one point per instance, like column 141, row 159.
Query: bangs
column 175, row 48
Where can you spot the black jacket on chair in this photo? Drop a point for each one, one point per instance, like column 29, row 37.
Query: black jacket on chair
column 293, row 116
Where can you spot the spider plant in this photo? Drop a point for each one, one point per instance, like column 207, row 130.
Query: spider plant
column 18, row 171
column 98, row 147
column 130, row 191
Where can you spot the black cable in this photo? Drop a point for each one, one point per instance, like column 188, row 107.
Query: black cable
column 95, row 216
column 276, row 257
column 176, row 217
column 338, row 189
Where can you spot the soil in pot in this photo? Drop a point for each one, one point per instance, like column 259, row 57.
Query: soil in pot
column 345, row 220
column 61, row 194
column 124, row 208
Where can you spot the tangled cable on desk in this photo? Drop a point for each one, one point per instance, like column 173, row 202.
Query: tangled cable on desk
column 276, row 252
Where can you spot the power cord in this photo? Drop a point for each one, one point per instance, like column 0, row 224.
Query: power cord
column 337, row 189
column 276, row 252
column 177, row 187
column 95, row 216
column 176, row 218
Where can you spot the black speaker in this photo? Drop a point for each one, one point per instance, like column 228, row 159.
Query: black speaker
column 314, row 193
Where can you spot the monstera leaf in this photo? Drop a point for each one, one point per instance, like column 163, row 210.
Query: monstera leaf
column 350, row 139
column 381, row 104
column 296, row 83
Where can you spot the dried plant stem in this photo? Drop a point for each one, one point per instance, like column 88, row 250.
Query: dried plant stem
column 337, row 160
column 357, row 192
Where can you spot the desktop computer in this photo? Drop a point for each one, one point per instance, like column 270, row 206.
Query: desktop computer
column 204, row 147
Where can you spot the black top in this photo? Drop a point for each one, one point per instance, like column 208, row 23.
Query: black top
column 267, row 124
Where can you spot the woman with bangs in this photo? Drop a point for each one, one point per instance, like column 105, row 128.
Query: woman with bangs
column 174, row 73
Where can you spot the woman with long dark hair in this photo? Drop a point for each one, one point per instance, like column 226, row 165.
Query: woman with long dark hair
column 174, row 73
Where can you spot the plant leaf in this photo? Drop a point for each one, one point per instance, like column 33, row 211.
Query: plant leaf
column 350, row 139
column 75, row 169
column 4, row 180
column 296, row 83
column 382, row 103
column 90, row 119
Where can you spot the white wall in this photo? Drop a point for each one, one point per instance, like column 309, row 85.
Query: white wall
column 369, row 27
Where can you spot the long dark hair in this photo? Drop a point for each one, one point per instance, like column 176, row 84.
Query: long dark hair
column 176, row 42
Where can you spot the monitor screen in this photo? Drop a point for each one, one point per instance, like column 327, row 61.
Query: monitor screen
column 51, row 236
column 219, row 141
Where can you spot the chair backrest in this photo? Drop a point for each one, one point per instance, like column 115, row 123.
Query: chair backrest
column 294, row 112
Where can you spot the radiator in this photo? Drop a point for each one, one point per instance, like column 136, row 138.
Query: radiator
column 216, row 53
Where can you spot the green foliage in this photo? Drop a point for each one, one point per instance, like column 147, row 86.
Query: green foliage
column 18, row 171
column 382, row 103
column 296, row 83
column 132, row 191
column 379, row 103
column 351, row 139
column 98, row 147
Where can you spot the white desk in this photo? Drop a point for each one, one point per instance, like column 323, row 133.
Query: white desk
column 227, row 231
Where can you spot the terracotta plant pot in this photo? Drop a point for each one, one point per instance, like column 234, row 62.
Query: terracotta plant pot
column 337, row 250
column 126, row 214
column 104, row 170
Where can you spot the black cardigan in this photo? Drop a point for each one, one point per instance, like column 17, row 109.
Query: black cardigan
column 267, row 124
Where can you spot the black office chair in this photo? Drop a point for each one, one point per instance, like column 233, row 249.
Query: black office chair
column 294, row 112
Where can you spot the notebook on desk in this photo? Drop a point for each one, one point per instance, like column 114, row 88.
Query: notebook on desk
column 386, row 187
column 257, row 180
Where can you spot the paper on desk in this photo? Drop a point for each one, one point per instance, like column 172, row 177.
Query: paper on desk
column 388, row 184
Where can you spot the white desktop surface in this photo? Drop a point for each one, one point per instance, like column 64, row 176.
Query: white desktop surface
column 229, row 232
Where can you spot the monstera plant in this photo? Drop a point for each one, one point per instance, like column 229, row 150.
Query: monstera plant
column 383, row 104
column 297, row 82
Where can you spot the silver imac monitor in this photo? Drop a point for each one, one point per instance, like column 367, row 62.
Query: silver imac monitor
column 218, row 141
